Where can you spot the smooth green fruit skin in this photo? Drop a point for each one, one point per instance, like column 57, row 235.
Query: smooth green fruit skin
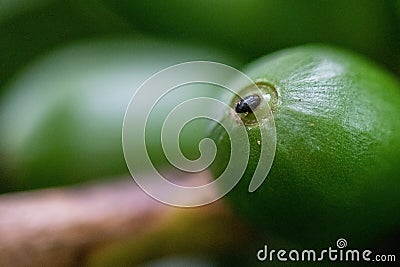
column 61, row 118
column 336, row 171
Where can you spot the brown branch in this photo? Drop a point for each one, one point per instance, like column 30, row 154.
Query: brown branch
column 89, row 224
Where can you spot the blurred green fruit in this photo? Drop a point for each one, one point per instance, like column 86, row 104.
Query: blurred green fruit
column 336, row 171
column 61, row 119
column 256, row 27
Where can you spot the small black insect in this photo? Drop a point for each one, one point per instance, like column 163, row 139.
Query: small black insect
column 248, row 104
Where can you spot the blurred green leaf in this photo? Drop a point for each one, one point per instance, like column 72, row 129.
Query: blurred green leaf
column 257, row 27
